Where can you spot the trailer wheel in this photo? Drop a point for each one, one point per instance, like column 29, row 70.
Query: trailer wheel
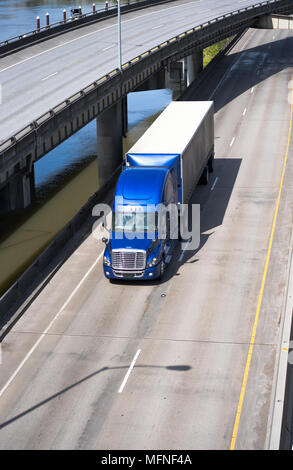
column 204, row 179
column 211, row 164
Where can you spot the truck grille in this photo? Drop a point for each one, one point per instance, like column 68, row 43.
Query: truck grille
column 129, row 260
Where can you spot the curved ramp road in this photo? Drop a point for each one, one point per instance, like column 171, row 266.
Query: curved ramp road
column 42, row 76
column 95, row 365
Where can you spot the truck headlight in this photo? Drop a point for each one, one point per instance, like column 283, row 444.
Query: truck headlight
column 107, row 262
column 153, row 262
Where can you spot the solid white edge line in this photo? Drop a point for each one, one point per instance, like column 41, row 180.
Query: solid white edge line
column 129, row 371
column 80, row 282
column 48, row 327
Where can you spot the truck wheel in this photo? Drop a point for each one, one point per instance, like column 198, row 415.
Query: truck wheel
column 204, row 179
column 211, row 164
column 162, row 269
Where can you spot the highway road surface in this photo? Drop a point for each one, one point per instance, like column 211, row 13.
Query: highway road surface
column 191, row 362
column 40, row 77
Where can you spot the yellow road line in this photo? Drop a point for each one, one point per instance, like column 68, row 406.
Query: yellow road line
column 252, row 339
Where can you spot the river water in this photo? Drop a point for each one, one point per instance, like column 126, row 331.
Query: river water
column 67, row 176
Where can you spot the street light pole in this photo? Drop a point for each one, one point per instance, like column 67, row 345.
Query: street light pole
column 119, row 38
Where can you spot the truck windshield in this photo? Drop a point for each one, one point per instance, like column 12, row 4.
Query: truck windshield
column 135, row 222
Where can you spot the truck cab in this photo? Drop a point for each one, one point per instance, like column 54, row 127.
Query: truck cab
column 139, row 238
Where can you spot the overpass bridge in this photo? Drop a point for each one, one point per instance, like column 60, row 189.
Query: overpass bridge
column 55, row 87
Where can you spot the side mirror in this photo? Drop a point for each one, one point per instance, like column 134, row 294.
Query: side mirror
column 105, row 240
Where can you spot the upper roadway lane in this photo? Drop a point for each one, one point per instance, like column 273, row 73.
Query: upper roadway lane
column 65, row 360
column 39, row 77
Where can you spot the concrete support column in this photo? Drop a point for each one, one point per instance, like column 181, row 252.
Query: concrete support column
column 175, row 77
column 20, row 191
column 109, row 139
column 17, row 193
column 194, row 65
column 155, row 82
column 168, row 81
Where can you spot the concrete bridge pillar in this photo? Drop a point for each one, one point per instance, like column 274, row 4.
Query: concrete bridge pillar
column 174, row 74
column 194, row 65
column 109, row 141
column 155, row 82
column 17, row 192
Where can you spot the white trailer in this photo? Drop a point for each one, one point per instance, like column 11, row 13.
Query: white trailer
column 184, row 129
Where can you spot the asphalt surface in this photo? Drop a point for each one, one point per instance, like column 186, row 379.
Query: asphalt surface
column 99, row 365
column 39, row 77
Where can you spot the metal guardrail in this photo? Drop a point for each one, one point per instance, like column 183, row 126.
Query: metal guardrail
column 6, row 144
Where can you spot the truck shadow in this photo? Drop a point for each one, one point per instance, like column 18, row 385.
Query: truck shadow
column 214, row 200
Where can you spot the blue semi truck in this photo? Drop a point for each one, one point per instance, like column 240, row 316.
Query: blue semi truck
column 161, row 169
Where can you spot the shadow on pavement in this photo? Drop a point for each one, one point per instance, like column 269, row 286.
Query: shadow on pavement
column 177, row 368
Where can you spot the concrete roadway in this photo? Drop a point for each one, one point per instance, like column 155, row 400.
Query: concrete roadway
column 66, row 381
column 39, row 77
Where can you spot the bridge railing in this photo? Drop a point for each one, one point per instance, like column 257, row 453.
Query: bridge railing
column 31, row 128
